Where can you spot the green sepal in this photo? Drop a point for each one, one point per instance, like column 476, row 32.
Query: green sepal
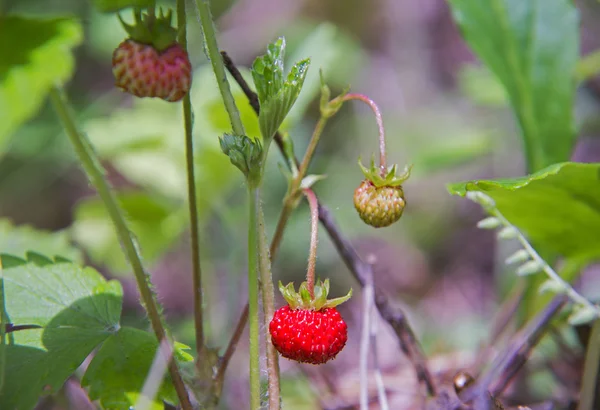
column 309, row 180
column 302, row 299
column 288, row 152
column 156, row 31
column 389, row 178
column 246, row 154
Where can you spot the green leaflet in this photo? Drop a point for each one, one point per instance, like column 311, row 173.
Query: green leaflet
column 558, row 208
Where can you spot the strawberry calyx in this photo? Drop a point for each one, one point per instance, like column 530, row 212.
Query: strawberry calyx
column 303, row 300
column 156, row 31
column 385, row 177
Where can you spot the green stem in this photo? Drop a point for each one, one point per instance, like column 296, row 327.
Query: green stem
column 290, row 201
column 266, row 282
column 310, row 150
column 91, row 164
column 284, row 216
column 378, row 118
column 212, row 48
column 314, row 229
column 253, row 223
column 590, row 370
column 192, row 198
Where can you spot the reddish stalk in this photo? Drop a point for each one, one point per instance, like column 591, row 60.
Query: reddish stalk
column 314, row 228
column 378, row 118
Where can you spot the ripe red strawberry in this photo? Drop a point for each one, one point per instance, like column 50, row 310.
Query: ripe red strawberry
column 309, row 330
column 379, row 199
column 151, row 63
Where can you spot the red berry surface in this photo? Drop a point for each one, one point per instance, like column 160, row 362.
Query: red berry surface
column 379, row 206
column 308, row 336
column 143, row 71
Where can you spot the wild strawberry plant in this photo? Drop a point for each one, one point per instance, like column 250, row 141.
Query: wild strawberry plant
column 58, row 314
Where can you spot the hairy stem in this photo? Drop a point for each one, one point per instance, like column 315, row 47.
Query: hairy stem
column 589, row 388
column 208, row 28
column 253, row 268
column 192, row 198
column 91, row 164
column 379, row 119
column 266, row 282
column 312, row 145
column 314, row 229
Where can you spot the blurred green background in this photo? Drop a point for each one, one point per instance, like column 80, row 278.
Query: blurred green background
column 442, row 112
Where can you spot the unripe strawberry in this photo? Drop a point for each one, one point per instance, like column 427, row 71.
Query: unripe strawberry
column 378, row 206
column 379, row 199
column 309, row 330
column 151, row 63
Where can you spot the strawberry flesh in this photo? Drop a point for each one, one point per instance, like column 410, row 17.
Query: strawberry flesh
column 144, row 72
column 308, row 336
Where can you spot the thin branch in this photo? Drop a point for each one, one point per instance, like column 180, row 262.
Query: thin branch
column 383, row 403
column 192, row 198
column 395, row 317
column 507, row 363
column 363, row 367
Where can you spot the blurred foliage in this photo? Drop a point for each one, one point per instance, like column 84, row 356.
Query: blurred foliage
column 40, row 57
column 535, row 64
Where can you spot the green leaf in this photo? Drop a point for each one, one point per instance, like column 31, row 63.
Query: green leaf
column 117, row 373
column 18, row 240
column 37, row 56
column 274, row 110
column 532, row 47
column 275, row 95
column 558, row 208
column 117, row 5
column 155, row 221
column 267, row 71
column 76, row 309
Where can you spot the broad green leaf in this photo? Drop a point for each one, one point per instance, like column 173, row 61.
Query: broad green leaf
column 117, row 5
column 558, row 208
column 155, row 222
column 35, row 55
column 18, row 240
column 76, row 309
column 117, row 373
column 532, row 46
